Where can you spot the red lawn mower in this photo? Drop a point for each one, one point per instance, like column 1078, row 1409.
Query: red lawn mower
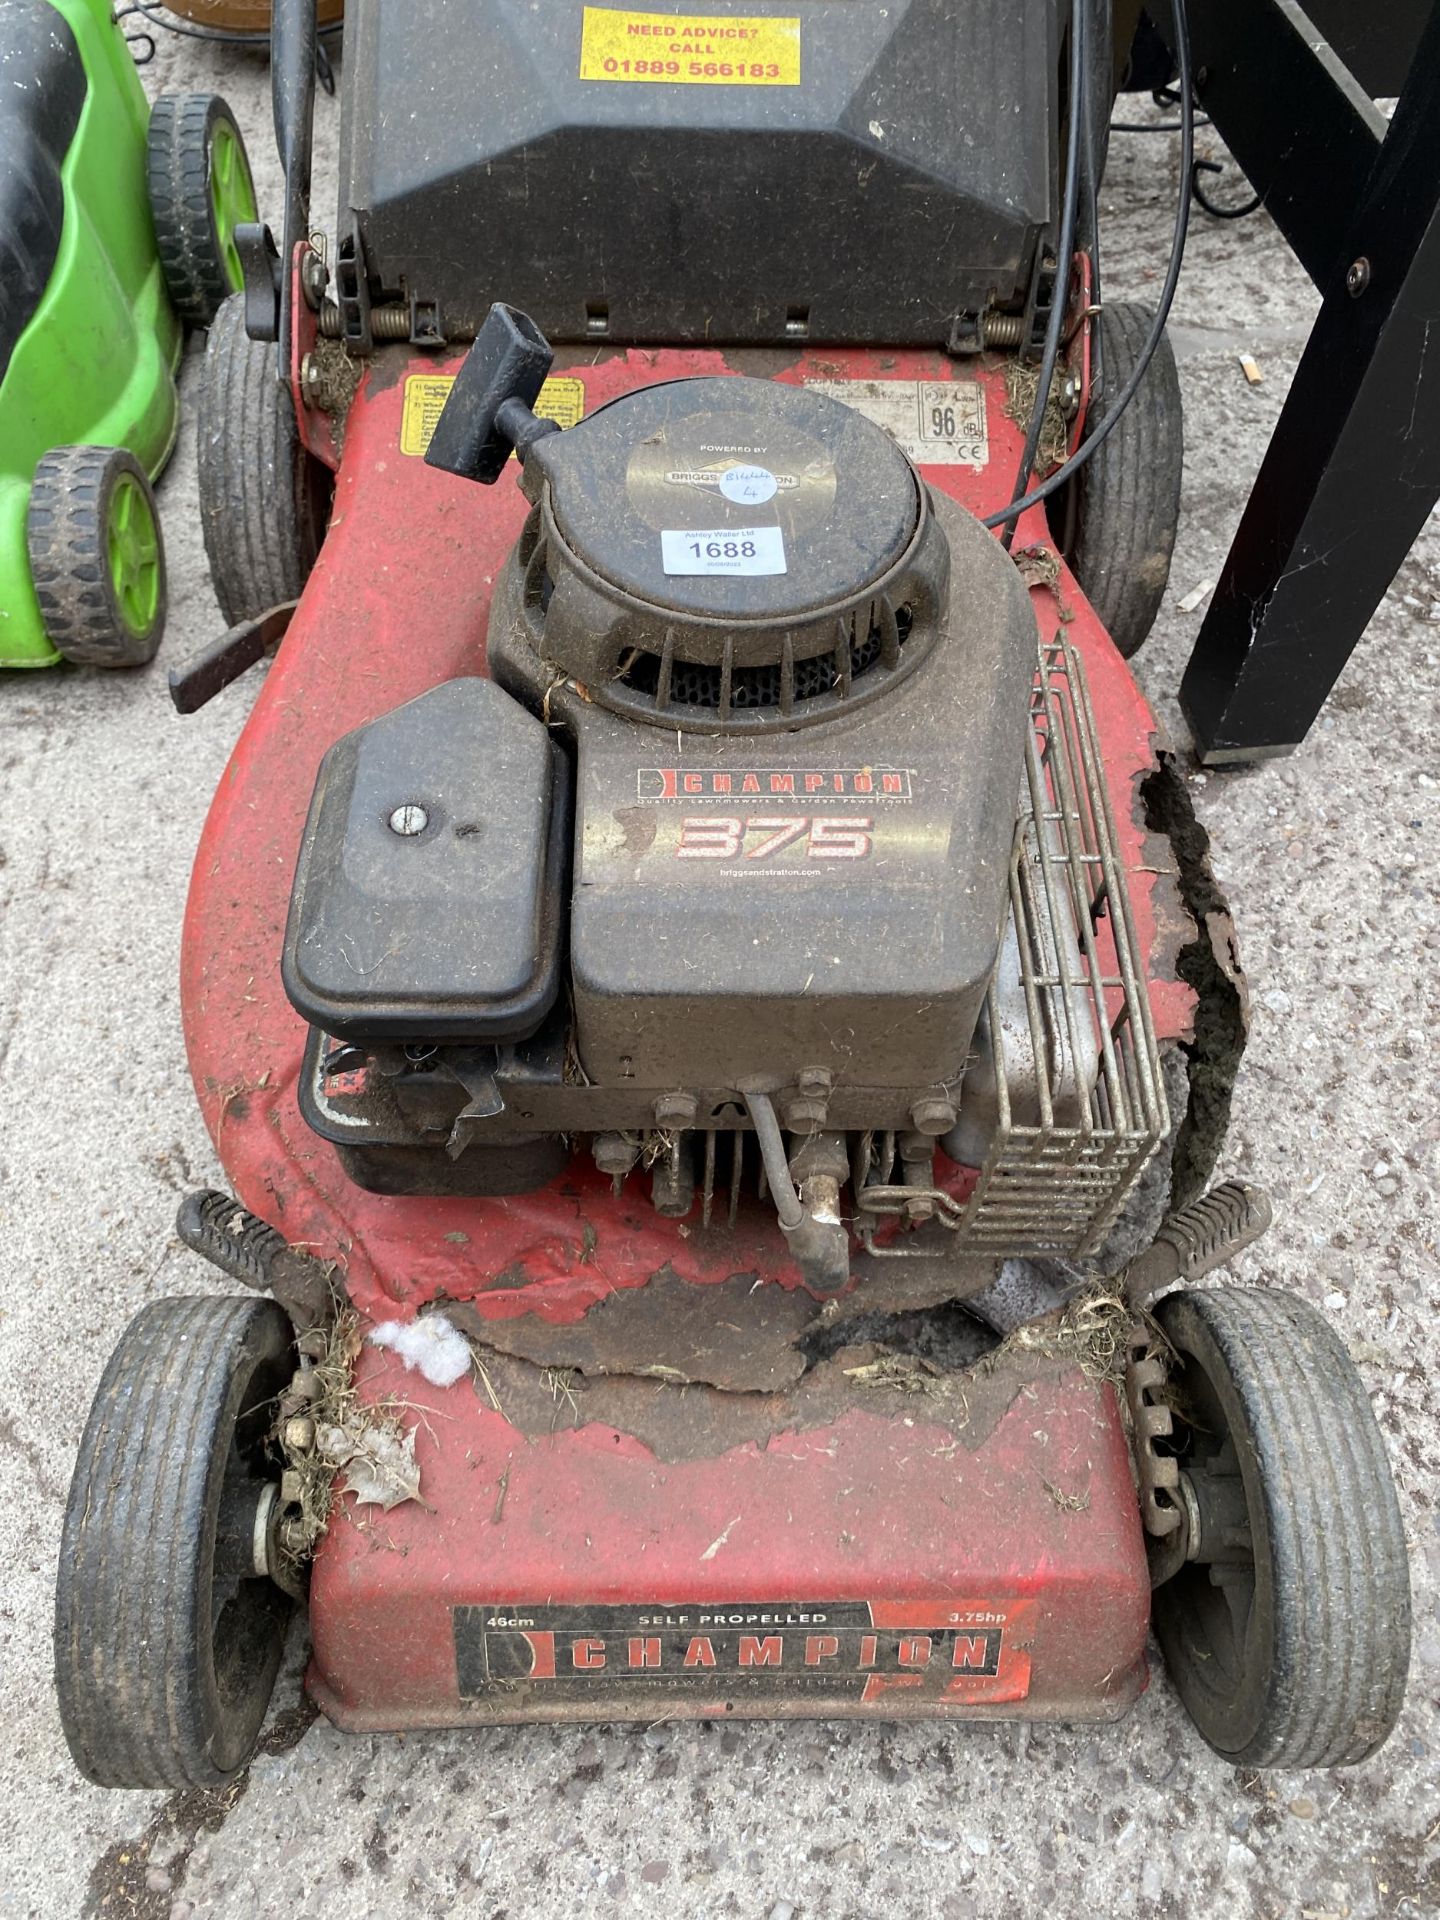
column 701, row 971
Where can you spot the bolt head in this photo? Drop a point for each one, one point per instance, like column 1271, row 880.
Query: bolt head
column 409, row 820
column 299, row 1435
column 1357, row 277
column 674, row 1110
column 933, row 1116
column 293, row 1535
column 313, row 275
column 613, row 1154
column 800, row 1113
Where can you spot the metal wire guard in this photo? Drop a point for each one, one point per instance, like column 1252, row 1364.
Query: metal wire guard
column 1056, row 1178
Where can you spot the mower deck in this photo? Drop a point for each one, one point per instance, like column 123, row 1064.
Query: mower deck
column 969, row 1550
column 781, row 1533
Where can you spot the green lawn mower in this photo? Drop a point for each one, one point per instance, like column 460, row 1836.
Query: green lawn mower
column 117, row 229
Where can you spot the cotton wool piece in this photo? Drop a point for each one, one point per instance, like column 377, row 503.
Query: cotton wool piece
column 430, row 1346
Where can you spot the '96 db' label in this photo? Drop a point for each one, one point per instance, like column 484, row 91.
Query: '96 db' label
column 690, row 49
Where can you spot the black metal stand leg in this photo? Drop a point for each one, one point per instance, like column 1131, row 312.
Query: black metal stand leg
column 1353, row 469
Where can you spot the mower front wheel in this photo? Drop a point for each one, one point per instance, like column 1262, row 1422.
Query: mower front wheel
column 264, row 497
column 1287, row 1631
column 167, row 1638
column 97, row 560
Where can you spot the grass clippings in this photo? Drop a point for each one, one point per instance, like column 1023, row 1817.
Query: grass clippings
column 1092, row 1333
column 1022, row 383
column 365, row 1442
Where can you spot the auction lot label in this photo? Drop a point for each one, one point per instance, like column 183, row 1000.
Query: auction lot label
column 690, row 49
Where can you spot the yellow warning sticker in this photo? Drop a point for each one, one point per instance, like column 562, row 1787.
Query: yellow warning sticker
column 561, row 399
column 690, row 49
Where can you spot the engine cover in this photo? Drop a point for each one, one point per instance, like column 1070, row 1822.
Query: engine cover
column 797, row 859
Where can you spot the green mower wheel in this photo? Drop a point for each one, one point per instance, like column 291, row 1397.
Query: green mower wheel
column 167, row 1638
column 97, row 559
column 200, row 191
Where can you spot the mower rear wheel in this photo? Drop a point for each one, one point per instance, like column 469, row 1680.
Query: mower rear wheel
column 200, row 190
column 167, row 1641
column 1116, row 520
column 97, row 559
column 264, row 497
column 1288, row 1634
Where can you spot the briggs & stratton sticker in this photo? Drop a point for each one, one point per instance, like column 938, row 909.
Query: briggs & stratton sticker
column 698, row 473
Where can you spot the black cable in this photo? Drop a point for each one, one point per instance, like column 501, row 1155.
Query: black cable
column 1064, row 254
column 1127, row 393
column 1155, row 126
column 1202, row 199
column 1162, row 97
column 1218, row 213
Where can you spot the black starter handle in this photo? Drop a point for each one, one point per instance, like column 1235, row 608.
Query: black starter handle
column 489, row 413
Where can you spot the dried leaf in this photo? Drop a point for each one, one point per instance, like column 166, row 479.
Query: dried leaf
column 381, row 1470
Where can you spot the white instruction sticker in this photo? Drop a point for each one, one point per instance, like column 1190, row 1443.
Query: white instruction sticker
column 938, row 423
column 740, row 550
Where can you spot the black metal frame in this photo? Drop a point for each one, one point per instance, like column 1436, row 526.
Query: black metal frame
column 1353, row 467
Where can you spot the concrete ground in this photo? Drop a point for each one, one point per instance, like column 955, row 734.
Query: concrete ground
column 1330, row 858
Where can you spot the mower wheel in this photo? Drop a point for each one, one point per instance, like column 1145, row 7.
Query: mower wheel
column 1116, row 520
column 264, row 497
column 97, row 560
column 1287, row 1633
column 200, row 191
column 167, row 1641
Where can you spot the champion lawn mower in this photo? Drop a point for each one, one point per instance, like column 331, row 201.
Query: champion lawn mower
column 116, row 229
column 701, row 970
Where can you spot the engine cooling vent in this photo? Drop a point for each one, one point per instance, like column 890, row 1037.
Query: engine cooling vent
column 1068, row 1076
column 782, row 684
